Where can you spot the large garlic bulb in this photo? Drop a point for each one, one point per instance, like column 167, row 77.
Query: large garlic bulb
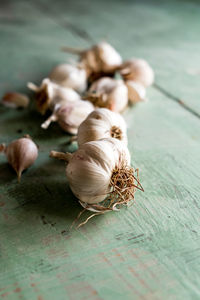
column 109, row 93
column 70, row 76
column 100, row 170
column 136, row 91
column 102, row 123
column 70, row 115
column 49, row 94
column 137, row 70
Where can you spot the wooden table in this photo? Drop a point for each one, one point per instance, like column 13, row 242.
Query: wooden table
column 152, row 249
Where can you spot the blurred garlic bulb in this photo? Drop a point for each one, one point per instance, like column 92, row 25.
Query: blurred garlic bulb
column 70, row 115
column 49, row 94
column 102, row 123
column 70, row 76
column 136, row 91
column 100, row 170
column 109, row 93
column 137, row 70
column 99, row 60
column 21, row 154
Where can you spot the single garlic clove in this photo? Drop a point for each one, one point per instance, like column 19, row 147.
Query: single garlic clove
column 136, row 91
column 102, row 123
column 70, row 76
column 21, row 154
column 100, row 170
column 109, row 93
column 70, row 115
column 49, row 94
column 15, row 100
column 137, row 70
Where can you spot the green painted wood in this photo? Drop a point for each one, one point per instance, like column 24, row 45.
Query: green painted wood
column 149, row 251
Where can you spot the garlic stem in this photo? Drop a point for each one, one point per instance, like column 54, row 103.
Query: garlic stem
column 72, row 50
column 52, row 118
column 32, row 86
column 62, row 156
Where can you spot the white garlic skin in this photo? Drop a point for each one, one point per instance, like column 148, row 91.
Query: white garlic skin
column 137, row 70
column 100, row 124
column 55, row 93
column 90, row 169
column 115, row 93
column 21, row 154
column 101, row 58
column 136, row 91
column 70, row 76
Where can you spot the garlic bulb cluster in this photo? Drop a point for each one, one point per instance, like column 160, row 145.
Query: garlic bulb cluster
column 102, row 123
column 20, row 154
column 70, row 115
column 99, row 60
column 100, row 170
column 109, row 93
column 49, row 94
column 70, row 76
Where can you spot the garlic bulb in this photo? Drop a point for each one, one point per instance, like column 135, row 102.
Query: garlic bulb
column 109, row 93
column 70, row 115
column 99, row 60
column 136, row 91
column 21, row 154
column 48, row 94
column 70, row 76
column 100, row 170
column 137, row 70
column 102, row 123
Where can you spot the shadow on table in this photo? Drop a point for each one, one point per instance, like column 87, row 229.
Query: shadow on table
column 44, row 193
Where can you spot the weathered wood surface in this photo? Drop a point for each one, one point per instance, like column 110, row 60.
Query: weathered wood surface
column 149, row 251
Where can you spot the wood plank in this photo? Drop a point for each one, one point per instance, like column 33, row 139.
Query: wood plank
column 149, row 251
column 164, row 33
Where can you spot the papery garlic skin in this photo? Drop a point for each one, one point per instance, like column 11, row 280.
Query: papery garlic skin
column 90, row 169
column 70, row 76
column 21, row 154
column 137, row 70
column 109, row 93
column 15, row 100
column 136, row 91
column 49, row 94
column 102, row 123
column 70, row 115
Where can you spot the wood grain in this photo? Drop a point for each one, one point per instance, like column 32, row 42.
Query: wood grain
column 152, row 249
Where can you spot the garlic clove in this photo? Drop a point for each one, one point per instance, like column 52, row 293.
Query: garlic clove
column 136, row 91
column 137, row 70
column 102, row 123
column 49, row 94
column 70, row 115
column 70, row 76
column 15, row 100
column 20, row 154
column 109, row 93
